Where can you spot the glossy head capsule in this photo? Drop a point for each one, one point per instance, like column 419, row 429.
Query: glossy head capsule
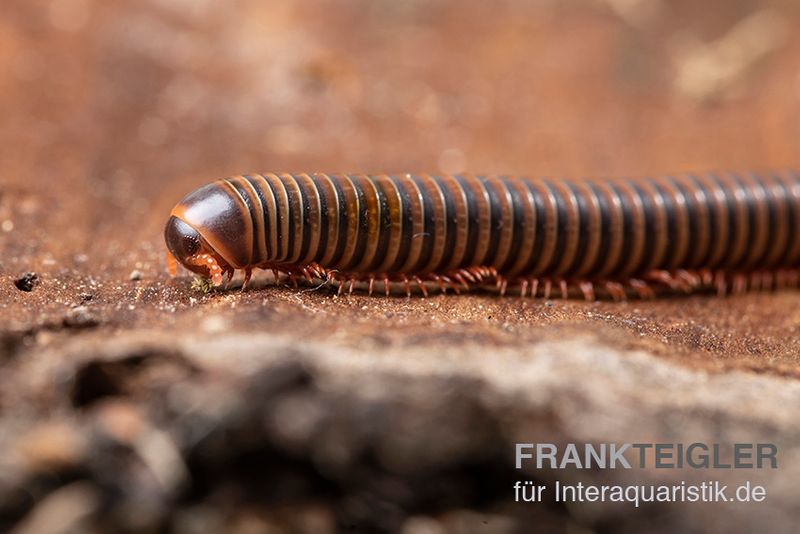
column 209, row 233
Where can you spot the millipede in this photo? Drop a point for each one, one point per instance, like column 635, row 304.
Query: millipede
column 615, row 237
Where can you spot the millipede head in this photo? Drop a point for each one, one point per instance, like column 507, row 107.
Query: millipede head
column 183, row 241
column 210, row 231
column 187, row 246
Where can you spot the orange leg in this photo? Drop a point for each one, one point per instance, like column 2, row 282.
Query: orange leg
column 172, row 264
column 587, row 288
column 616, row 290
column 523, row 287
column 407, row 286
column 421, row 285
column 548, row 286
column 247, row 274
column 682, row 280
column 642, row 288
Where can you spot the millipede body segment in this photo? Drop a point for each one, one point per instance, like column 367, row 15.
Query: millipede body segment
column 535, row 236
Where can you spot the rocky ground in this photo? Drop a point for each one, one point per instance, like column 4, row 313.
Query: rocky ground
column 132, row 402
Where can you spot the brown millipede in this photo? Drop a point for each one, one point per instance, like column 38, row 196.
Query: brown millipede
column 615, row 236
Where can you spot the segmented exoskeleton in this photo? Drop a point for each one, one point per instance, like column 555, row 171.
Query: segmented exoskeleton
column 617, row 236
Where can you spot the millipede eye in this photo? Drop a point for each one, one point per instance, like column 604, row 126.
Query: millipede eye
column 191, row 243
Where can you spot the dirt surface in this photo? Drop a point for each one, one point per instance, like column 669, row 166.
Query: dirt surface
column 131, row 401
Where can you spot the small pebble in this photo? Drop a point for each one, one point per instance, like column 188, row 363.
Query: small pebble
column 27, row 281
column 135, row 275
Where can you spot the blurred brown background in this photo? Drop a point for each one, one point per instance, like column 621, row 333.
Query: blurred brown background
column 126, row 105
column 130, row 402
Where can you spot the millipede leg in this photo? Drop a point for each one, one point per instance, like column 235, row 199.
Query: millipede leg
column 642, row 288
column 692, row 279
column 666, row 278
column 739, row 284
column 466, row 274
column 502, row 284
column 421, row 285
column 317, row 270
column 438, row 279
column 247, row 274
column 548, row 286
column 449, row 281
column 587, row 288
column 460, row 279
column 172, row 265
column 720, row 283
column 616, row 290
